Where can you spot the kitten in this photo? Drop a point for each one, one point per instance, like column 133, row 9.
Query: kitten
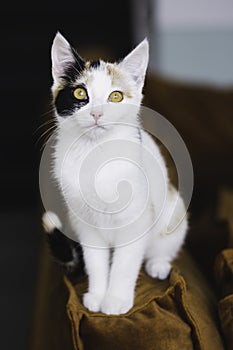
column 98, row 103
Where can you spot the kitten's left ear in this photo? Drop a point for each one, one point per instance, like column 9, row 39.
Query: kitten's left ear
column 136, row 62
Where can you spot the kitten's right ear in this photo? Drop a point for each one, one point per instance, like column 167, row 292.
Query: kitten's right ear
column 63, row 56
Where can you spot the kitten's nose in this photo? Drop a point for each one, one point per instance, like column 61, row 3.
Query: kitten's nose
column 96, row 115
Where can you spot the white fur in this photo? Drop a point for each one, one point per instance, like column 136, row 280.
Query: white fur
column 51, row 221
column 112, row 281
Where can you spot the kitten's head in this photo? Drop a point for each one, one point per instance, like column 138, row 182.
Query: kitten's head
column 97, row 93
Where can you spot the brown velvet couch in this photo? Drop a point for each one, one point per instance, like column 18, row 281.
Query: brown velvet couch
column 193, row 308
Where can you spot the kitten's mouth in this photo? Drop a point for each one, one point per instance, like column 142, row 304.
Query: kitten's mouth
column 96, row 125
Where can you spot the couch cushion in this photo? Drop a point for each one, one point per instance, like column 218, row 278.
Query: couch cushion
column 178, row 313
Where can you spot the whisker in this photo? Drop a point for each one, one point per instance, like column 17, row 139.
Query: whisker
column 75, row 68
column 52, row 128
column 52, row 109
column 46, row 123
column 48, row 136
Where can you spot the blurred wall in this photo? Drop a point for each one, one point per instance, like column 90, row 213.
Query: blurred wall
column 189, row 40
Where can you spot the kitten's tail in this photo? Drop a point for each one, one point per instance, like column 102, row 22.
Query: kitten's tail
column 67, row 252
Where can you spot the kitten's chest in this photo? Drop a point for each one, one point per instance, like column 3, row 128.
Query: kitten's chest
column 97, row 175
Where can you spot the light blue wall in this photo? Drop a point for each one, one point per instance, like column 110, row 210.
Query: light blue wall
column 200, row 55
column 189, row 40
column 204, row 56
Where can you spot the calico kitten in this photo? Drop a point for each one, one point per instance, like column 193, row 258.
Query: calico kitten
column 98, row 103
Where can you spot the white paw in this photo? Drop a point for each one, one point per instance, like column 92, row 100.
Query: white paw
column 113, row 305
column 158, row 268
column 92, row 301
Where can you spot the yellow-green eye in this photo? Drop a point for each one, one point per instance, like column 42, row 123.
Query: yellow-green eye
column 80, row 93
column 116, row 96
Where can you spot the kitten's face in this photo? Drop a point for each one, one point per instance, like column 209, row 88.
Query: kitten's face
column 97, row 94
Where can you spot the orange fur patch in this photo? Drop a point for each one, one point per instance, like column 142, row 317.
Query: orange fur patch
column 87, row 65
column 118, row 78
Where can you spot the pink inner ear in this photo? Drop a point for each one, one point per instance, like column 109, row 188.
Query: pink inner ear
column 61, row 54
column 62, row 66
column 136, row 62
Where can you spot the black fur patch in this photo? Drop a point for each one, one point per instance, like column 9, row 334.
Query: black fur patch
column 74, row 69
column 66, row 103
column 60, row 246
column 95, row 64
column 67, row 252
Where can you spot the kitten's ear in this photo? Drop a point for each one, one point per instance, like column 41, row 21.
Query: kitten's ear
column 136, row 62
column 63, row 56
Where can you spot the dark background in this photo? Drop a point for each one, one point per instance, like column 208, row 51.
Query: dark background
column 27, row 31
column 27, row 35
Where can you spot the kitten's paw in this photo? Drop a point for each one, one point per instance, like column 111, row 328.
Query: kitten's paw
column 158, row 268
column 92, row 301
column 113, row 305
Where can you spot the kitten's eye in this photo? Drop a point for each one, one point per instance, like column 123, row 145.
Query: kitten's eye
column 116, row 96
column 80, row 93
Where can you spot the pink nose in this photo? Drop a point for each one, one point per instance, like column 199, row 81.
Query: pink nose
column 96, row 115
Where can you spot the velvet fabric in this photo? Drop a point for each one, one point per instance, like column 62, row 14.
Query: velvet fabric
column 178, row 313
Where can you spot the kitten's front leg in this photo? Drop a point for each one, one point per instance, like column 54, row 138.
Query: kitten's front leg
column 97, row 268
column 123, row 275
